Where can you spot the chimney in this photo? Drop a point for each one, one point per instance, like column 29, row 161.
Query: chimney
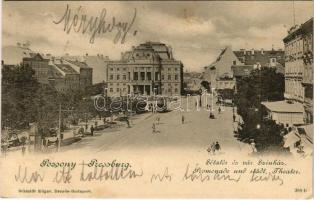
column 252, row 51
column 262, row 51
column 244, row 52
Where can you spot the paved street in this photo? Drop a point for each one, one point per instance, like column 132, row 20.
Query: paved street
column 197, row 132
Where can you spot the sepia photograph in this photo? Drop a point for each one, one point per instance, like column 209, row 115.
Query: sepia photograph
column 156, row 99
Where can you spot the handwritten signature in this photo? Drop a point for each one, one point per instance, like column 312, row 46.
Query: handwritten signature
column 81, row 23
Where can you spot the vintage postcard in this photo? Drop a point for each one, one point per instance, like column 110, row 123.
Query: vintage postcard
column 205, row 99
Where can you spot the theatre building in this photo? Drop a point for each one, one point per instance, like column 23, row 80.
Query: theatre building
column 147, row 69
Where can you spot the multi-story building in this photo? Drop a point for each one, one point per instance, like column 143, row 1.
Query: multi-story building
column 98, row 63
column 63, row 74
column 85, row 73
column 40, row 65
column 221, row 67
column 67, row 75
column 221, row 73
column 299, row 66
column 147, row 69
column 262, row 58
column 63, row 77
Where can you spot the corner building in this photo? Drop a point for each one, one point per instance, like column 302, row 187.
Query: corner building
column 299, row 66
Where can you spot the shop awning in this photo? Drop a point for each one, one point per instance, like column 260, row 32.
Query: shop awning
column 283, row 106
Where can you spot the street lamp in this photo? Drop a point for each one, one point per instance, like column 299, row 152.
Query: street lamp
column 59, row 131
column 154, row 105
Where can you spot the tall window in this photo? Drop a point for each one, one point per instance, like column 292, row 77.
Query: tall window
column 169, row 77
column 135, row 76
column 142, row 76
column 156, row 76
column 124, row 77
column 111, row 77
column 118, row 77
column 149, row 76
column 176, row 77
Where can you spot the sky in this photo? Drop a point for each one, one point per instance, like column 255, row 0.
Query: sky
column 196, row 31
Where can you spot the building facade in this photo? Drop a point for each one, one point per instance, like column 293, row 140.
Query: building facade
column 64, row 75
column 40, row 65
column 221, row 67
column 85, row 73
column 147, row 69
column 299, row 69
column 243, row 62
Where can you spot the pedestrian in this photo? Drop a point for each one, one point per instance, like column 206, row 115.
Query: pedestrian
column 219, row 110
column 92, row 130
column 158, row 119
column 154, row 128
column 217, row 146
column 23, row 150
column 253, row 146
column 211, row 148
column 86, row 127
column 128, row 122
column 182, row 119
column 211, row 115
column 234, row 118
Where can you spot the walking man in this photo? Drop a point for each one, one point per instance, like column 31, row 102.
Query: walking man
column 182, row 119
column 219, row 110
column 154, row 128
column 217, row 146
column 234, row 118
column 158, row 119
column 128, row 122
column 92, row 130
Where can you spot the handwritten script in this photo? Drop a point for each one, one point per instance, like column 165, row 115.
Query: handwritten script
column 115, row 170
column 95, row 25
